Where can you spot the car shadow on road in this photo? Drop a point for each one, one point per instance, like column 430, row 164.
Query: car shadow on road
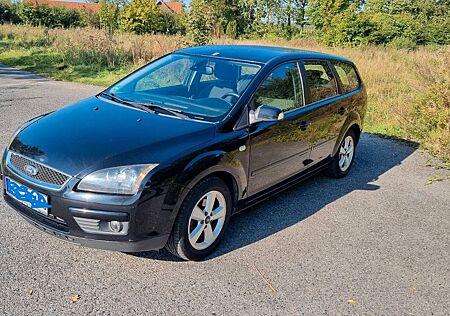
column 375, row 156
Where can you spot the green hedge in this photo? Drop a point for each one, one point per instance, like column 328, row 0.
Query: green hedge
column 41, row 15
column 139, row 16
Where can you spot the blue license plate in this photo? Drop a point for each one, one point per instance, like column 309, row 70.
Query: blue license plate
column 29, row 197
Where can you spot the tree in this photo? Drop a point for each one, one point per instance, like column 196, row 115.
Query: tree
column 410, row 22
column 300, row 12
column 322, row 12
column 142, row 16
column 201, row 21
column 109, row 16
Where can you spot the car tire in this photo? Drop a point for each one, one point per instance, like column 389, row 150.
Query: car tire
column 200, row 223
column 342, row 161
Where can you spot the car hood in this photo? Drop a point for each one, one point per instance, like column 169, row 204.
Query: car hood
column 96, row 133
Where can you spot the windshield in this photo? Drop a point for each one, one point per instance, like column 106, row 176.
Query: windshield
column 199, row 86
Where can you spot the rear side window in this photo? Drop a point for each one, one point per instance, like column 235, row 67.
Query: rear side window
column 348, row 76
column 320, row 80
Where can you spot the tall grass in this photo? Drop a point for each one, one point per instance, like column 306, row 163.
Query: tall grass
column 91, row 46
column 408, row 90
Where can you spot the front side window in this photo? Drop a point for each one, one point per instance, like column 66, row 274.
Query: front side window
column 320, row 80
column 281, row 89
column 347, row 74
column 199, row 86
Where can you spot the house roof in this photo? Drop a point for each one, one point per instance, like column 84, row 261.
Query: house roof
column 170, row 6
column 94, row 7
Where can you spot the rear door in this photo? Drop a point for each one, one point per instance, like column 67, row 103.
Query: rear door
column 326, row 110
column 350, row 98
column 278, row 149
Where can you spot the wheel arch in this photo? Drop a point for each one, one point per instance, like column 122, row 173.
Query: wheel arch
column 353, row 123
column 230, row 182
column 357, row 130
column 229, row 177
column 224, row 165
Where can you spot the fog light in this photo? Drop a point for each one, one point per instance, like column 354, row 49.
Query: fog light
column 115, row 226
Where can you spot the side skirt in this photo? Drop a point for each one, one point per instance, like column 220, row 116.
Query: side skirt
column 285, row 184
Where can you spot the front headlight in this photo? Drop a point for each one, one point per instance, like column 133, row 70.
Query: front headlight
column 117, row 180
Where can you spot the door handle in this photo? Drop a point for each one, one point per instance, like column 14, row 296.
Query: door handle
column 342, row 110
column 304, row 125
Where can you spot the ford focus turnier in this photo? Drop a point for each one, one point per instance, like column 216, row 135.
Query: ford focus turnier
column 167, row 155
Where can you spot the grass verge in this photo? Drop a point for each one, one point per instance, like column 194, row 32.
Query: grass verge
column 50, row 64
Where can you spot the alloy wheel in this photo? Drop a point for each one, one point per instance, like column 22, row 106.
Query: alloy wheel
column 346, row 153
column 207, row 220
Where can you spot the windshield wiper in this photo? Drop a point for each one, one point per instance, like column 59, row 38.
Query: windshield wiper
column 147, row 106
column 114, row 98
column 158, row 109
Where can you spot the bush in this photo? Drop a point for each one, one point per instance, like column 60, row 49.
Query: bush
column 171, row 24
column 389, row 27
column 437, row 31
column 144, row 16
column 431, row 118
column 8, row 12
column 348, row 29
column 399, row 23
column 403, row 42
column 90, row 19
column 41, row 15
column 231, row 31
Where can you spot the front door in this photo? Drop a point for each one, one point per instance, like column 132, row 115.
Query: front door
column 279, row 149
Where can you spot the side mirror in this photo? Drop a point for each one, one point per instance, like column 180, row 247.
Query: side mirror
column 266, row 113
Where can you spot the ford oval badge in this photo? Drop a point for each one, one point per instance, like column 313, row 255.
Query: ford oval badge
column 30, row 170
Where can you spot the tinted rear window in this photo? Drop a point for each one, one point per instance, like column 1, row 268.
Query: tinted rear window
column 320, row 79
column 348, row 76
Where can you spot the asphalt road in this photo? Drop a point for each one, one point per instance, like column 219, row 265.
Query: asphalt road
column 376, row 242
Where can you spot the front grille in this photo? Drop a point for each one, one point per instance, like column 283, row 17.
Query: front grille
column 44, row 174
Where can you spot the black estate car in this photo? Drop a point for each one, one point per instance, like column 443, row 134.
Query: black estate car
column 165, row 156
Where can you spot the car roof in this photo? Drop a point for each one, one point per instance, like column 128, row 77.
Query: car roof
column 254, row 53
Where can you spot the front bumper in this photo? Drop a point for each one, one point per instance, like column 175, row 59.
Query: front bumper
column 148, row 223
column 62, row 231
column 151, row 243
